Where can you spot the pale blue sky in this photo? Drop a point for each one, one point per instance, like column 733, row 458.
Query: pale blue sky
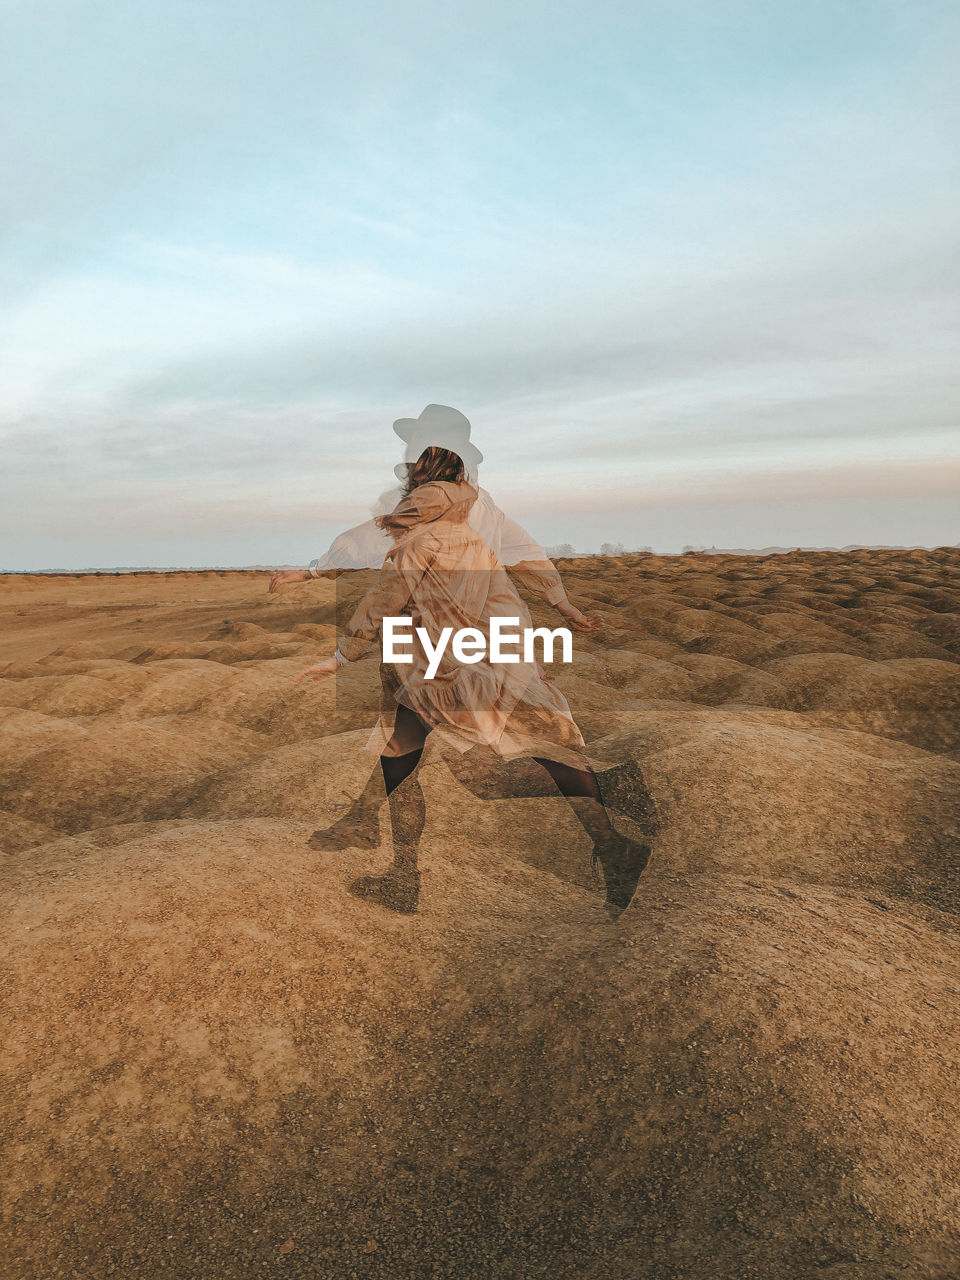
column 689, row 268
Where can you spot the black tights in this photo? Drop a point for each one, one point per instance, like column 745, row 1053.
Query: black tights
column 396, row 768
column 570, row 781
column 579, row 787
column 482, row 772
column 409, row 727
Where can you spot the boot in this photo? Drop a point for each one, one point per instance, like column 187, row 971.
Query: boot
column 399, row 887
column 624, row 790
column 623, row 861
column 359, row 828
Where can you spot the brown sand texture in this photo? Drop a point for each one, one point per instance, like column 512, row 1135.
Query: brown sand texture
column 219, row 1062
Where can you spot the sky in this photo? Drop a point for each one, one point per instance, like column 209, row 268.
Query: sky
column 689, row 268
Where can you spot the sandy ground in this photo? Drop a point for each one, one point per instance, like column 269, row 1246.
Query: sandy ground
column 219, row 1062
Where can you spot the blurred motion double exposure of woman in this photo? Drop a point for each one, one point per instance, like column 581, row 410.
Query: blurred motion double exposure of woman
column 440, row 572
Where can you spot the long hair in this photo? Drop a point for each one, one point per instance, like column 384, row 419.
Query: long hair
column 433, row 464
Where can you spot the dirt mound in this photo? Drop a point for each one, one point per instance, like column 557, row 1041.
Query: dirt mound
column 914, row 699
column 311, row 780
column 700, row 1088
column 72, row 777
column 222, row 1061
column 18, row 833
column 767, row 793
column 721, row 680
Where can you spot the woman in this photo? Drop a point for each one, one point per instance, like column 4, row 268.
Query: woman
column 441, row 573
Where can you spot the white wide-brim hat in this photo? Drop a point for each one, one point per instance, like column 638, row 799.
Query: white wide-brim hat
column 441, row 426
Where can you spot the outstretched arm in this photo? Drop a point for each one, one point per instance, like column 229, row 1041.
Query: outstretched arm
column 362, row 547
column 542, row 578
column 387, row 599
column 527, row 562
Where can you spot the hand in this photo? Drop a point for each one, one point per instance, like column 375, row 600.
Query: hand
column 325, row 668
column 283, row 578
column 579, row 621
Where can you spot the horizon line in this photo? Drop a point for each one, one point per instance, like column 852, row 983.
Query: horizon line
column 571, row 554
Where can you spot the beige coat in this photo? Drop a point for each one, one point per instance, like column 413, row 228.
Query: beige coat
column 441, row 573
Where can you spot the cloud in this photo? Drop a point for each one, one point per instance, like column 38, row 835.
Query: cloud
column 881, row 479
column 647, row 241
